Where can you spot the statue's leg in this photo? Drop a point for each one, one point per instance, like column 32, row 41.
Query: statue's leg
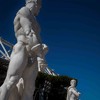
column 29, row 77
column 16, row 67
column 14, row 95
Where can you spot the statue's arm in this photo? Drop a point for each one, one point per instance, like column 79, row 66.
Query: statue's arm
column 75, row 92
column 27, row 27
column 25, row 24
column 24, row 20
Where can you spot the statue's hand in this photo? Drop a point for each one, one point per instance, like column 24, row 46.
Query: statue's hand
column 30, row 33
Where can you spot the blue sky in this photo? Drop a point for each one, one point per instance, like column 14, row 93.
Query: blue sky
column 71, row 29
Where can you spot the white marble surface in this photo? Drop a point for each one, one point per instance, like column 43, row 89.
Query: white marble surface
column 72, row 93
column 27, row 52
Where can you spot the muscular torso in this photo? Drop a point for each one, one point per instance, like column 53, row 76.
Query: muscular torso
column 19, row 32
column 71, row 95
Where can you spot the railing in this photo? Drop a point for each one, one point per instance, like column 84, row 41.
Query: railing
column 4, row 52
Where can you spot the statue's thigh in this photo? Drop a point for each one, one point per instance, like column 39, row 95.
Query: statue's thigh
column 18, row 61
column 30, row 74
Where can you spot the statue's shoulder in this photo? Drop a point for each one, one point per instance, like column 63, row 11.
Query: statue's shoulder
column 70, row 88
column 24, row 11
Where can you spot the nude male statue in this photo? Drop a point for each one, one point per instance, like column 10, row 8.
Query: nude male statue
column 26, row 52
column 72, row 93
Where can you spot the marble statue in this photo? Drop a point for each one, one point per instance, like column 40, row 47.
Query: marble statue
column 27, row 53
column 72, row 93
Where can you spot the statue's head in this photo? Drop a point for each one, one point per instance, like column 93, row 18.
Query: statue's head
column 33, row 1
column 34, row 6
column 73, row 83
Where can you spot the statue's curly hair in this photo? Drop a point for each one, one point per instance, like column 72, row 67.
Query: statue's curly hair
column 34, row 1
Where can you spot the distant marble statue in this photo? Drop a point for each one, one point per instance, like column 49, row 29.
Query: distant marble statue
column 72, row 93
column 26, row 54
